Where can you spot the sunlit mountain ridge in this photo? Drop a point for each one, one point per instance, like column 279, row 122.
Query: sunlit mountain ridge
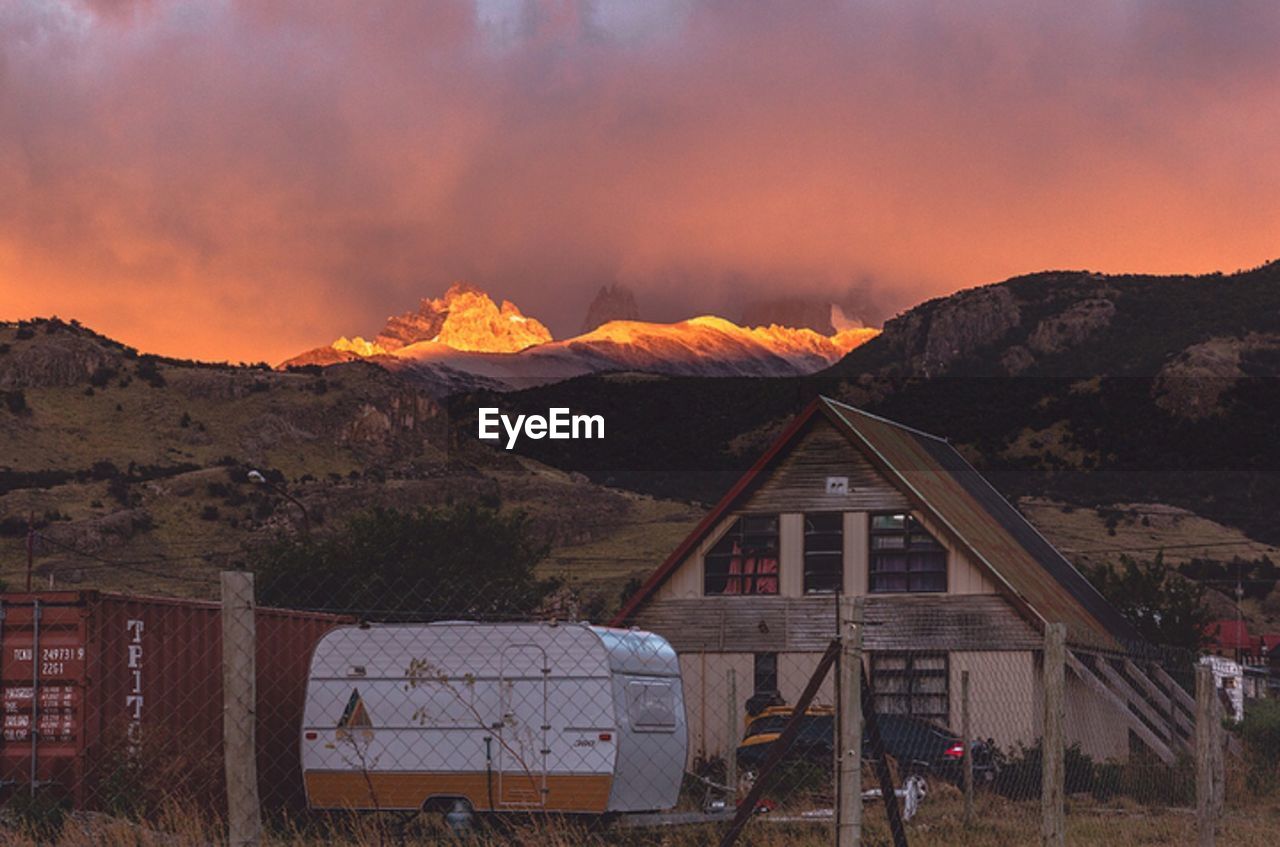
column 466, row 340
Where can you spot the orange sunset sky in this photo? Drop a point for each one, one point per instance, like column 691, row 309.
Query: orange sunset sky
column 245, row 180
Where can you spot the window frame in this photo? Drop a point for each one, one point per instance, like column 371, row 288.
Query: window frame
column 757, row 673
column 913, row 677
column 811, row 574
column 911, row 529
column 757, row 582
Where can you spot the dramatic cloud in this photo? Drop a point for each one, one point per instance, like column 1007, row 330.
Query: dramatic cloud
column 247, row 179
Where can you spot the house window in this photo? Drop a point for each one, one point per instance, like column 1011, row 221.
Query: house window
column 904, row 557
column 823, row 553
column 745, row 560
column 913, row 684
column 765, row 673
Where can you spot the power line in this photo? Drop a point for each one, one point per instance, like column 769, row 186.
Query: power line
column 131, row 565
column 1158, row 547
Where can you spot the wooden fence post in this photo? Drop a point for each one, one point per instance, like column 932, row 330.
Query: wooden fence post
column 239, row 709
column 849, row 742
column 966, row 738
column 1052, row 812
column 1206, row 755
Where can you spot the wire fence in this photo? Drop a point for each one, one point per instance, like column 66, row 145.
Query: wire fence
column 311, row 712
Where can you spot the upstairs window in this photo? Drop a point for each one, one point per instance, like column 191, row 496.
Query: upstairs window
column 745, row 560
column 823, row 553
column 904, row 557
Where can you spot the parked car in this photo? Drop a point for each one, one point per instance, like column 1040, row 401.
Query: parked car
column 918, row 745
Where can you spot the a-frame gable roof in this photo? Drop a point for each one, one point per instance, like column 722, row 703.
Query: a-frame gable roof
column 939, row 482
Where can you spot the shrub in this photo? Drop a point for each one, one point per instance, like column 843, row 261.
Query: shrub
column 41, row 814
column 136, row 779
column 463, row 562
column 15, row 401
column 104, row 469
column 1142, row 778
column 149, row 372
column 1259, row 734
column 209, row 513
column 118, row 488
column 102, row 376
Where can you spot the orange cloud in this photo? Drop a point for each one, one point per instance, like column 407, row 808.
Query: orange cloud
column 247, row 180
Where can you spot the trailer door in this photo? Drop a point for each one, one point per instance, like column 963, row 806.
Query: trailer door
column 522, row 734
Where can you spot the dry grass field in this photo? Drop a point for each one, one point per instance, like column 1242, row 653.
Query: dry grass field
column 999, row 823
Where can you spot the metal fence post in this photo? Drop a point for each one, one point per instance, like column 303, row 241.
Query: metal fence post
column 966, row 738
column 731, row 723
column 1206, row 740
column 849, row 692
column 1052, row 812
column 239, row 694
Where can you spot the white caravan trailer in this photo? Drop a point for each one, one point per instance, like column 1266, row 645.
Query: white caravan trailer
column 520, row 717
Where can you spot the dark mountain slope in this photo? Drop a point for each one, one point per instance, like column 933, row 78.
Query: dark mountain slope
column 1090, row 388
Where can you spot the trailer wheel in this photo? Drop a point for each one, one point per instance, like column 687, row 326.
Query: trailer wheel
column 457, row 812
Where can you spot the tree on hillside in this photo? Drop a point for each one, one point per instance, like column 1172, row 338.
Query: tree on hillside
column 457, row 562
column 1166, row 607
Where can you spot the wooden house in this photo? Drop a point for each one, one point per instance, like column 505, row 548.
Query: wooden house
column 954, row 578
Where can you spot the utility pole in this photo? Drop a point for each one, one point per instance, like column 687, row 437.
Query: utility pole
column 259, row 478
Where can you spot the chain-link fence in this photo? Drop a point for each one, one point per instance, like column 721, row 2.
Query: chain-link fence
column 344, row 710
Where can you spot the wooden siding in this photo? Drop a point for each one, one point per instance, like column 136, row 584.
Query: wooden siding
column 964, row 576
column 857, row 549
column 799, row 482
column 706, row 694
column 685, row 582
column 780, row 624
column 1004, row 695
column 1094, row 724
column 791, row 555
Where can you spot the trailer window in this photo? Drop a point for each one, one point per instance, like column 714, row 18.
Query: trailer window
column 651, row 705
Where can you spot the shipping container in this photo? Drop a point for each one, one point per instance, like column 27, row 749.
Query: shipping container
column 125, row 696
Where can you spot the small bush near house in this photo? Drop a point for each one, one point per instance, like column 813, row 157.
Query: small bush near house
column 1259, row 734
column 1143, row 778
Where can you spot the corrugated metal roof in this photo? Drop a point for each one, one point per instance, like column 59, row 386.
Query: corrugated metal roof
column 942, row 483
column 938, row 480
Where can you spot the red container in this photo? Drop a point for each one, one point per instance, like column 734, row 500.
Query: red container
column 126, row 696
